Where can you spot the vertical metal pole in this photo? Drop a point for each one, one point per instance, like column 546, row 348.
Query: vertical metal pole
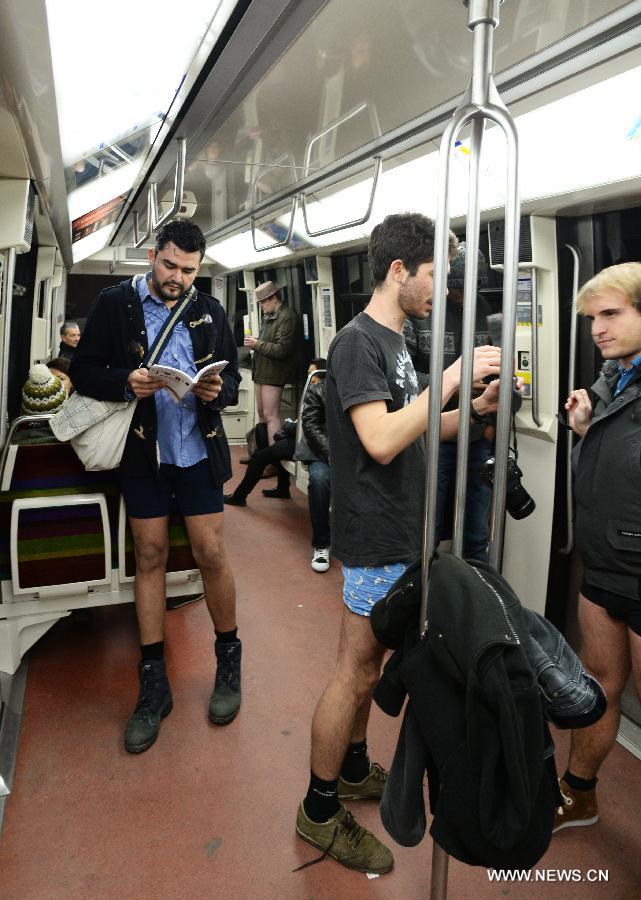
column 7, row 305
column 481, row 101
column 534, row 356
column 441, row 263
column 510, row 277
column 571, row 381
column 469, row 325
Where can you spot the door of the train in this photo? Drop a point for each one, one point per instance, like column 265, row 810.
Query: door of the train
column 598, row 241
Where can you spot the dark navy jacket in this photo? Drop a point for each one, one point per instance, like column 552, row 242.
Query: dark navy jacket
column 112, row 345
column 607, row 487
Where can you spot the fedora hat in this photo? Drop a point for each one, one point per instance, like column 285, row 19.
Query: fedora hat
column 266, row 290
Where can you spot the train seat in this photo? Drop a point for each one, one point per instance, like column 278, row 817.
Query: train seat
column 65, row 542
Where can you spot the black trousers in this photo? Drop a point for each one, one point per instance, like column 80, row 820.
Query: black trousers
column 259, row 461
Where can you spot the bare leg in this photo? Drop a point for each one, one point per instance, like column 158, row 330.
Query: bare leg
column 359, row 731
column 260, row 412
column 208, row 547
column 605, row 654
column 151, row 546
column 635, row 654
column 271, row 397
column 348, row 693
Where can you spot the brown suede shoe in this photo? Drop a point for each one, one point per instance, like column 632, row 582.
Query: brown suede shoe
column 579, row 808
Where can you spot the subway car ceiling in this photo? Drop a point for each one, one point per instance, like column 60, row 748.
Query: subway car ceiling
column 275, row 100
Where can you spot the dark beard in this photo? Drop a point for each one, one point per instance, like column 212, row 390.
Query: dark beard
column 161, row 294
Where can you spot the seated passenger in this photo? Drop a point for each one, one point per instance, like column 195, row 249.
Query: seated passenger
column 43, row 392
column 282, row 448
column 69, row 337
column 60, row 366
column 313, row 449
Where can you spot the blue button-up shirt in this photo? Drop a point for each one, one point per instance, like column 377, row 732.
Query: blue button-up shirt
column 625, row 375
column 179, row 438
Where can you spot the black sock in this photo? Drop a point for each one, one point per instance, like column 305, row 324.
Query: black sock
column 579, row 784
column 321, row 802
column 356, row 763
column 227, row 637
column 153, row 651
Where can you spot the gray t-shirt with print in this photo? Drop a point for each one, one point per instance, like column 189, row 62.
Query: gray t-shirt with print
column 377, row 511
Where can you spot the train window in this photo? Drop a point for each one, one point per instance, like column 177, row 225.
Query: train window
column 42, row 294
column 240, row 309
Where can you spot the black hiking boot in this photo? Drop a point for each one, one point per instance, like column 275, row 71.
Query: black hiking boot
column 154, row 703
column 225, row 700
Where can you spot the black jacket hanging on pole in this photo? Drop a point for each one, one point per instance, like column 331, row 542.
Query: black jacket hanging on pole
column 474, row 720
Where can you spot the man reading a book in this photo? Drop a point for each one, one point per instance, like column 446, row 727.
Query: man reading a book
column 174, row 450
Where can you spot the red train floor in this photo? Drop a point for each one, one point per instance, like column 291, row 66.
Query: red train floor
column 207, row 811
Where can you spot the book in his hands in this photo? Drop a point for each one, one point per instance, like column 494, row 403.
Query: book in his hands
column 178, row 383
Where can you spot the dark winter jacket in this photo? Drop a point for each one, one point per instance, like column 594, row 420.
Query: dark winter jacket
column 65, row 350
column 315, row 444
column 112, row 345
column 475, row 722
column 276, row 354
column 607, row 486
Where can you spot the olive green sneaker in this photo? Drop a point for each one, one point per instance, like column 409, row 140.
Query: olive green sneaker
column 342, row 838
column 370, row 788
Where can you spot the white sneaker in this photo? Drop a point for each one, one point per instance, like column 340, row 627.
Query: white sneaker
column 320, row 560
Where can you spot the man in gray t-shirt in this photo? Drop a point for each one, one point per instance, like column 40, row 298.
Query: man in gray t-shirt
column 376, row 420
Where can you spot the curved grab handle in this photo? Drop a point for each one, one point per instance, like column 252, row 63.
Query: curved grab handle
column 179, row 183
column 333, row 126
column 574, row 330
column 378, row 162
column 151, row 215
column 285, row 158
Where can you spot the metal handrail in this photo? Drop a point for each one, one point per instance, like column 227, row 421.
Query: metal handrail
column 574, row 330
column 7, row 304
column 179, row 184
column 480, row 103
column 151, row 215
column 286, row 157
column 534, row 317
column 16, row 425
column 378, row 162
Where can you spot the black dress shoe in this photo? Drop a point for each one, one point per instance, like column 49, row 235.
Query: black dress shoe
column 182, row 600
column 232, row 500
column 274, row 493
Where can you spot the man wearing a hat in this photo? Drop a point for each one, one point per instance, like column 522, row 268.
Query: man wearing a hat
column 418, row 337
column 275, row 357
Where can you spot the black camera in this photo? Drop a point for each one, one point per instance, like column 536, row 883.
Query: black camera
column 518, row 502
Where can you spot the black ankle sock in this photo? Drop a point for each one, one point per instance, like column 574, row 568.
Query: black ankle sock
column 321, row 802
column 153, row 651
column 356, row 763
column 227, row 637
column 579, row 784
